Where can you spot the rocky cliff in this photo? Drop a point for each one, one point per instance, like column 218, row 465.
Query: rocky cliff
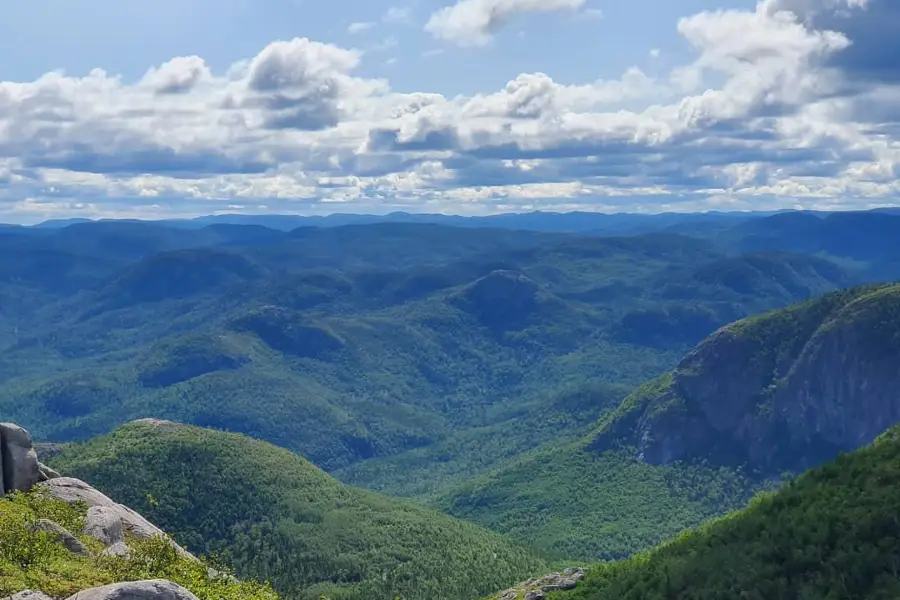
column 108, row 526
column 19, row 465
column 783, row 391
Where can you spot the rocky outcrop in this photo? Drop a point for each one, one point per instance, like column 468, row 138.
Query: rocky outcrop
column 106, row 521
column 154, row 589
column 20, row 468
column 29, row 595
column 119, row 549
column 537, row 589
column 102, row 526
column 63, row 536
column 781, row 392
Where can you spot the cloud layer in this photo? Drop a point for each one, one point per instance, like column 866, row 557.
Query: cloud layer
column 794, row 103
column 472, row 22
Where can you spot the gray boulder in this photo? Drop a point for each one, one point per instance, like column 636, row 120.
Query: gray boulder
column 72, row 490
column 61, row 535
column 46, row 472
column 18, row 458
column 28, row 595
column 104, row 524
column 155, row 589
column 119, row 549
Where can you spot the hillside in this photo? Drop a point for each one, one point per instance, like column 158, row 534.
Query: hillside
column 758, row 400
column 376, row 351
column 800, row 385
column 273, row 515
column 831, row 533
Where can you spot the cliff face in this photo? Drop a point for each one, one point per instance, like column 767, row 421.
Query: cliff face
column 783, row 391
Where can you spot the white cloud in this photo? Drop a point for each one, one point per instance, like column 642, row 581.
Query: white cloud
column 771, row 111
column 397, row 14
column 359, row 27
column 472, row 22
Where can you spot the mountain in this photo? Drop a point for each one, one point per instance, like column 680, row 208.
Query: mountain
column 758, row 400
column 381, row 352
column 618, row 223
column 273, row 515
column 785, row 390
column 864, row 237
column 831, row 533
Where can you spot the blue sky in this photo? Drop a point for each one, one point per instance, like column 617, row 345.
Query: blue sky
column 184, row 107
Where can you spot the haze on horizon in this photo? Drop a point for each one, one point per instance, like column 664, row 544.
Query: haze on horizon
column 120, row 110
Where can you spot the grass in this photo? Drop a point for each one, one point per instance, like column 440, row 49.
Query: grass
column 31, row 559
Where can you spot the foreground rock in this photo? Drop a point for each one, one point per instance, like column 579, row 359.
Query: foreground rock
column 20, row 467
column 63, row 536
column 28, row 595
column 537, row 589
column 102, row 525
column 154, row 589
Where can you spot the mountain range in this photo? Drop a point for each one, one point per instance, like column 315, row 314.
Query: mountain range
column 554, row 394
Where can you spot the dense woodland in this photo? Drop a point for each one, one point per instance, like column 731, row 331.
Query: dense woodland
column 489, row 369
column 833, row 533
column 273, row 516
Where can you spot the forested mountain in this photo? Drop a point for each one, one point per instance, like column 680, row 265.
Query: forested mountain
column 378, row 351
column 489, row 372
column 759, row 400
column 832, row 533
column 274, row 516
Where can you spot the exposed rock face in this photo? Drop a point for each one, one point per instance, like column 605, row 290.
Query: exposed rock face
column 29, row 595
column 785, row 391
column 46, row 472
column 72, row 490
column 104, row 525
column 63, row 536
column 154, row 589
column 18, row 458
column 537, row 589
column 106, row 521
column 117, row 549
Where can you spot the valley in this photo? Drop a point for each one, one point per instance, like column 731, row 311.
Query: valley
column 423, row 410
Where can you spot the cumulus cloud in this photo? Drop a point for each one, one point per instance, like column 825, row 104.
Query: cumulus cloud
column 782, row 105
column 472, row 22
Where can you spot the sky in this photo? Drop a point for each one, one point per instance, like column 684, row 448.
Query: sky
column 177, row 108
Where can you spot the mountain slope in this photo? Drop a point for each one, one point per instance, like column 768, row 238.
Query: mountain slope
column 782, row 391
column 273, row 515
column 396, row 343
column 762, row 397
column 831, row 533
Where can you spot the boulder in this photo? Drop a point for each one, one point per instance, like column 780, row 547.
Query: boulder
column 72, row 490
column 46, row 472
column 18, row 458
column 119, row 549
column 155, row 589
column 104, row 524
column 61, row 535
column 29, row 595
